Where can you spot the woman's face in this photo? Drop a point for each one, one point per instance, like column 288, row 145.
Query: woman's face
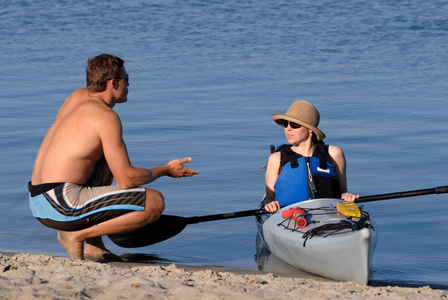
column 296, row 136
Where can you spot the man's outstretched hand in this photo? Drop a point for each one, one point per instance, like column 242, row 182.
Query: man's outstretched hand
column 176, row 169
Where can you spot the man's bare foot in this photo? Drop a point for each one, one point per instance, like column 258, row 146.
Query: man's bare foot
column 73, row 248
column 105, row 256
column 96, row 251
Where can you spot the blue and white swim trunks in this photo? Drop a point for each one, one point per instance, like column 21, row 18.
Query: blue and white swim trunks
column 69, row 207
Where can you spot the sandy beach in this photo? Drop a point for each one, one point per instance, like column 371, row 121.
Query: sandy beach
column 34, row 276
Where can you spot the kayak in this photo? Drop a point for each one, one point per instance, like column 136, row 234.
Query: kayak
column 320, row 240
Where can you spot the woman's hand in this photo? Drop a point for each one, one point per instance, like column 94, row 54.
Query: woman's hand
column 272, row 206
column 349, row 197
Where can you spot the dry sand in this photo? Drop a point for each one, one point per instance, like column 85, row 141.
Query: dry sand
column 31, row 276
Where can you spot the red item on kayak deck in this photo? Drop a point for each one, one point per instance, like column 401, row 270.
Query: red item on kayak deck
column 297, row 214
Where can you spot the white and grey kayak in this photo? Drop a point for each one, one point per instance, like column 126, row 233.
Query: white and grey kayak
column 330, row 245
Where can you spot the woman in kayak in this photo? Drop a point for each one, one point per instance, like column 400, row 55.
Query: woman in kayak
column 305, row 168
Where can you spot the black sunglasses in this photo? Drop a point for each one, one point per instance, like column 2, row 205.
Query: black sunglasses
column 285, row 123
column 126, row 79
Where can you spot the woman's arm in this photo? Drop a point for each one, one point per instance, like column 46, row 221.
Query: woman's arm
column 339, row 163
column 270, row 179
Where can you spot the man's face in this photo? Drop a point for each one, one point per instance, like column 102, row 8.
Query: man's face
column 123, row 83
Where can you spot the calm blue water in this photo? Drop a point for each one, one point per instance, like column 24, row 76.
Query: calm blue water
column 206, row 76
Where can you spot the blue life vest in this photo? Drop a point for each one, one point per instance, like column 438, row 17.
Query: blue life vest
column 302, row 178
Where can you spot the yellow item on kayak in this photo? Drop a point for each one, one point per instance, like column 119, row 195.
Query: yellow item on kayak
column 348, row 209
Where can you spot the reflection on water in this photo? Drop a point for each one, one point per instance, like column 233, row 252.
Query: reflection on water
column 268, row 262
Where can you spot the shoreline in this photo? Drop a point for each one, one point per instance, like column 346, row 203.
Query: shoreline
column 31, row 276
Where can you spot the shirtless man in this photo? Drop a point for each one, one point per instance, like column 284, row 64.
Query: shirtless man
column 81, row 154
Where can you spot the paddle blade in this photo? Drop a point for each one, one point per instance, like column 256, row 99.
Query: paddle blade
column 164, row 228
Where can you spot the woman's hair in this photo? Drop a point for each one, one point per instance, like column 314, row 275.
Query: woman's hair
column 100, row 69
column 314, row 138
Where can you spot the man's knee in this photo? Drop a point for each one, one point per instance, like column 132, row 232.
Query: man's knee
column 155, row 202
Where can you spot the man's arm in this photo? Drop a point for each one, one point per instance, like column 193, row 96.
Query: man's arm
column 114, row 148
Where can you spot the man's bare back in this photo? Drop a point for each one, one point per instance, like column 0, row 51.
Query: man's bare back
column 72, row 143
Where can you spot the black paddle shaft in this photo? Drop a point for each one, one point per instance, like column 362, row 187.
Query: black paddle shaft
column 168, row 226
column 437, row 190
column 256, row 212
column 238, row 214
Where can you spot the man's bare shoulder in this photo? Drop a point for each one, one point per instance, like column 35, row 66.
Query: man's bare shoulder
column 72, row 101
column 95, row 109
column 82, row 92
column 82, row 101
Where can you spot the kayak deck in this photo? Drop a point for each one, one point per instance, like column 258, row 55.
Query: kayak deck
column 329, row 246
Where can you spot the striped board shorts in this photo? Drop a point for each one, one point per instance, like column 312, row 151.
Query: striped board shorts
column 71, row 207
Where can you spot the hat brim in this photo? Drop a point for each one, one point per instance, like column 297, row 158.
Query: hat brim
column 276, row 117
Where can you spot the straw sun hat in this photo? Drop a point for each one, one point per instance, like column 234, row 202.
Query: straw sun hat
column 303, row 113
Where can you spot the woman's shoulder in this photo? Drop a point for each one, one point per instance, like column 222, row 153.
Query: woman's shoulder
column 275, row 155
column 274, row 158
column 335, row 151
column 334, row 148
